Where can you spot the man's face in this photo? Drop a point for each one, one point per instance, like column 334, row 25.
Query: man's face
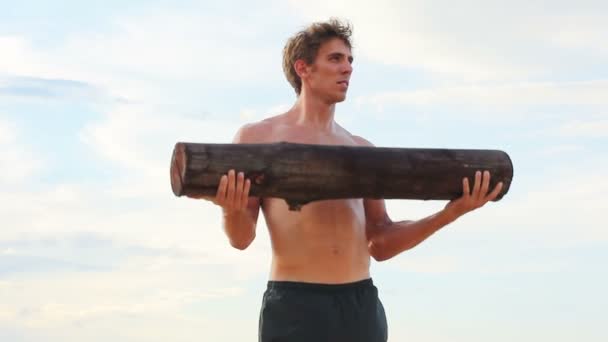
column 329, row 75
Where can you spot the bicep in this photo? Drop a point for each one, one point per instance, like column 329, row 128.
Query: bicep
column 376, row 216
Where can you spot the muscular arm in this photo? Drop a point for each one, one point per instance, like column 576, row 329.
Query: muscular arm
column 387, row 238
column 240, row 225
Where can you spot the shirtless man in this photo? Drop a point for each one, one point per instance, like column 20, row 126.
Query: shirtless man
column 320, row 287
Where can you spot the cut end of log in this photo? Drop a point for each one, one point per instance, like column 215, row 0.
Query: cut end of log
column 178, row 167
column 506, row 178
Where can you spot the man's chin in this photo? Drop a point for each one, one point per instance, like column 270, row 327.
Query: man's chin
column 337, row 98
column 341, row 98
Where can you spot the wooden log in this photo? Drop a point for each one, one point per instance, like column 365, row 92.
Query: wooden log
column 302, row 173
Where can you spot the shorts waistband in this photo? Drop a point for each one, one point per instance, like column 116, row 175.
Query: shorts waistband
column 295, row 285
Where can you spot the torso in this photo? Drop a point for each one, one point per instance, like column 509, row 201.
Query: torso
column 325, row 242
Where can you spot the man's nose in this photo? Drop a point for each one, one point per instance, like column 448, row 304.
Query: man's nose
column 347, row 68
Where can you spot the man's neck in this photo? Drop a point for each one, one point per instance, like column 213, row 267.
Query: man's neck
column 312, row 112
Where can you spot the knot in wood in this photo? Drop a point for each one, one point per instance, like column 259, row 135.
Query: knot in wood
column 258, row 179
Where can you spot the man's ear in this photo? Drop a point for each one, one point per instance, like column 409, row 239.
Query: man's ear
column 301, row 68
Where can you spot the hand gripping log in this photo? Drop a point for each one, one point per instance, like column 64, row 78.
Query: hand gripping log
column 302, row 173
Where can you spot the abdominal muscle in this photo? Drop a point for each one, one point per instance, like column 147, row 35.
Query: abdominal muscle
column 325, row 242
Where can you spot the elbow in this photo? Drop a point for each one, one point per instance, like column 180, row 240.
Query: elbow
column 377, row 252
column 241, row 244
column 380, row 258
column 381, row 252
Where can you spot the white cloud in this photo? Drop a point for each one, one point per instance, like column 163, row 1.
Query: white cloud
column 142, row 56
column 560, row 150
column 128, row 207
column 425, row 264
column 83, row 303
column 18, row 56
column 186, row 224
column 167, row 265
column 177, row 45
column 511, row 94
column 17, row 162
column 563, row 207
column 577, row 31
column 255, row 114
column 174, row 264
column 431, row 260
column 7, row 132
column 140, row 140
column 138, row 55
column 471, row 40
column 585, row 129
column 567, row 209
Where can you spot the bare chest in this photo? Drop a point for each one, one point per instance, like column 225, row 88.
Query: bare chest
column 319, row 217
column 316, row 215
column 293, row 134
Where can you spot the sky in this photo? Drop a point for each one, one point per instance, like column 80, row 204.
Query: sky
column 93, row 96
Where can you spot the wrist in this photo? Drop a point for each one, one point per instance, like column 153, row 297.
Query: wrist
column 450, row 214
column 233, row 213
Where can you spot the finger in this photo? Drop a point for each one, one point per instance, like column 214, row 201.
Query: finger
column 220, row 196
column 475, row 193
column 245, row 198
column 231, row 185
column 485, row 184
column 466, row 189
column 495, row 192
column 240, row 179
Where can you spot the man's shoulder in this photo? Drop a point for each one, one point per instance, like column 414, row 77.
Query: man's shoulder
column 256, row 132
column 360, row 141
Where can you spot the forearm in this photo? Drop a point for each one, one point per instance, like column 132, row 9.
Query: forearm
column 396, row 237
column 239, row 226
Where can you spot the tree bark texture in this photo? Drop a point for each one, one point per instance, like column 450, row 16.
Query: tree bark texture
column 302, row 173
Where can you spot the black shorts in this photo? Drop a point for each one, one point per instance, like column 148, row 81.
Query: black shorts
column 307, row 312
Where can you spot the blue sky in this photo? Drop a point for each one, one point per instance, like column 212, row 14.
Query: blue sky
column 93, row 96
